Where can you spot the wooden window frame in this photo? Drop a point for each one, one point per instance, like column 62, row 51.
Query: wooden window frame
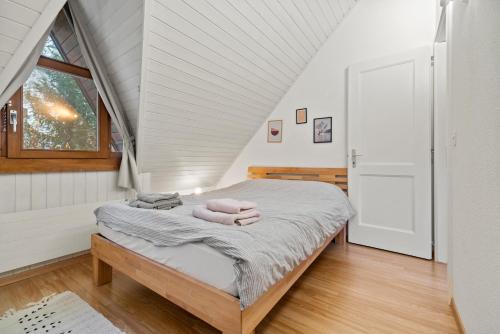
column 15, row 159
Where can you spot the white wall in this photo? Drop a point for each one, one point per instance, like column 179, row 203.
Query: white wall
column 38, row 191
column 374, row 28
column 50, row 212
column 474, row 64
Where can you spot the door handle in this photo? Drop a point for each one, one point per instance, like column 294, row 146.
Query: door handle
column 354, row 157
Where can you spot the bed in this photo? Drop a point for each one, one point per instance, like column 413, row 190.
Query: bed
column 200, row 279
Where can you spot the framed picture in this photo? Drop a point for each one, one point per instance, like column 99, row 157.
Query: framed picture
column 323, row 130
column 301, row 116
column 274, row 131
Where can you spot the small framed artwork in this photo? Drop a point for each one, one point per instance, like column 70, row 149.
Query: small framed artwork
column 274, row 131
column 323, row 130
column 301, row 116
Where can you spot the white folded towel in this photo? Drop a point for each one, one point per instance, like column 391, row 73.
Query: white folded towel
column 229, row 205
column 245, row 217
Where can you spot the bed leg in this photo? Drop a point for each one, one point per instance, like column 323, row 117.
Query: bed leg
column 102, row 272
column 341, row 238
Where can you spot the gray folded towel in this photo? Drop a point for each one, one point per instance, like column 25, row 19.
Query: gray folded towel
column 158, row 205
column 156, row 201
column 155, row 197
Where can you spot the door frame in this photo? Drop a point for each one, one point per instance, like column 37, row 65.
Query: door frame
column 440, row 149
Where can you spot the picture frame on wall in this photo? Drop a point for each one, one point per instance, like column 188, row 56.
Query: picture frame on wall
column 301, row 116
column 274, row 131
column 322, row 130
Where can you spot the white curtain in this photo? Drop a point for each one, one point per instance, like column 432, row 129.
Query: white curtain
column 25, row 70
column 128, row 176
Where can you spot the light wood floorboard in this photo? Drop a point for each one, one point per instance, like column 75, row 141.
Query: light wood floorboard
column 347, row 290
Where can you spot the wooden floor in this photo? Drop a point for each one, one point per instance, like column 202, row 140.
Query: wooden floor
column 352, row 290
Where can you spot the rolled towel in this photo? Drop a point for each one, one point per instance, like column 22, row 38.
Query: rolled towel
column 202, row 212
column 229, row 205
column 156, row 197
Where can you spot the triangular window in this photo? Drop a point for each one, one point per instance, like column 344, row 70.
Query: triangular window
column 62, row 115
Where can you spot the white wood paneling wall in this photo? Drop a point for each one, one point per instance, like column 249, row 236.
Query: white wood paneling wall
column 35, row 236
column 23, row 192
column 16, row 19
column 117, row 29
column 50, row 212
column 213, row 71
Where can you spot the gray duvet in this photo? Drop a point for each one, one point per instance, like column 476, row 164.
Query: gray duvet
column 298, row 216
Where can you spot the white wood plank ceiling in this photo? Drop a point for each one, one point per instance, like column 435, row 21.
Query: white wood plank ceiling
column 214, row 70
column 16, row 19
column 117, row 29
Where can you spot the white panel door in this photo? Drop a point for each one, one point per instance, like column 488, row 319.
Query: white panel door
column 389, row 145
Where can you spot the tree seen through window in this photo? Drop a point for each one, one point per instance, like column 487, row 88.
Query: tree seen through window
column 59, row 114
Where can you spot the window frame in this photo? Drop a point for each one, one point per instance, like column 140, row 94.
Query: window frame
column 15, row 158
column 15, row 139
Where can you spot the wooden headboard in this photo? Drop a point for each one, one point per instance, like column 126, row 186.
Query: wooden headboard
column 337, row 176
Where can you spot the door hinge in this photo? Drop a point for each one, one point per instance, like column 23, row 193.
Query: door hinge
column 432, row 60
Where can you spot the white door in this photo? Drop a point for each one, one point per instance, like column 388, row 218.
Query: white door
column 389, row 146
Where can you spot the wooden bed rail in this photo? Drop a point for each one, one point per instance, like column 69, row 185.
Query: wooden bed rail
column 212, row 305
column 336, row 176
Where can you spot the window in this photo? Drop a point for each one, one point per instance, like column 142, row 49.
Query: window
column 59, row 112
column 62, row 115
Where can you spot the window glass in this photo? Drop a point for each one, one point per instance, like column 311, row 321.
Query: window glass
column 51, row 51
column 116, row 139
column 60, row 112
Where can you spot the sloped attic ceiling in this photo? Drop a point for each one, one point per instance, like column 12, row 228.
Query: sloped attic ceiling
column 22, row 24
column 116, row 26
column 214, row 71
column 16, row 19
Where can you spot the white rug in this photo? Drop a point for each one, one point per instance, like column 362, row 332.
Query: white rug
column 63, row 313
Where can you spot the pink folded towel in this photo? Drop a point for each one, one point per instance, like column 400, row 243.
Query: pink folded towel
column 247, row 221
column 245, row 217
column 229, row 205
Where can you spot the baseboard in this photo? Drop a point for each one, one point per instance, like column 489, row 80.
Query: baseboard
column 20, row 274
column 458, row 319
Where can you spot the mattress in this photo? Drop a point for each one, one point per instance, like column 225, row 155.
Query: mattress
column 197, row 260
column 297, row 217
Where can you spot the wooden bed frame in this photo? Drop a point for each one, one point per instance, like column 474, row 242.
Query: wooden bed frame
column 210, row 304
